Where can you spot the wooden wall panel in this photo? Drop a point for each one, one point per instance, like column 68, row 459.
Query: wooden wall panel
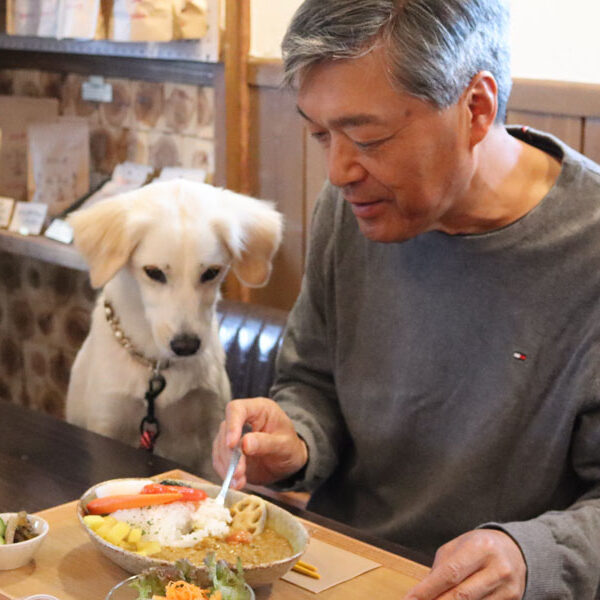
column 568, row 129
column 555, row 97
column 591, row 139
column 220, row 177
column 276, row 161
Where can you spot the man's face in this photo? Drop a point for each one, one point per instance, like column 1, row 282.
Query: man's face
column 402, row 164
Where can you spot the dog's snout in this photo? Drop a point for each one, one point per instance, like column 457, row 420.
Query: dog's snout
column 185, row 345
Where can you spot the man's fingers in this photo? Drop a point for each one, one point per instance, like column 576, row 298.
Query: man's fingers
column 444, row 577
column 478, row 564
column 220, row 454
column 236, row 414
column 254, row 411
column 478, row 586
column 239, row 476
column 265, row 444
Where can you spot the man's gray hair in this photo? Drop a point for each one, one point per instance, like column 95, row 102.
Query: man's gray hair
column 434, row 47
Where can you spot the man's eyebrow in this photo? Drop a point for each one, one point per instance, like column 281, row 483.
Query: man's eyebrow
column 348, row 120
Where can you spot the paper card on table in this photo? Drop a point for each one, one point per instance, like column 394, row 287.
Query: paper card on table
column 28, row 218
column 6, row 208
column 60, row 231
column 333, row 564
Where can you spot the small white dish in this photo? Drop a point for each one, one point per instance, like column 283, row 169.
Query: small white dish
column 13, row 556
column 124, row 591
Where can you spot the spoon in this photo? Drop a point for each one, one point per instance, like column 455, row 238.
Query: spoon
column 236, row 454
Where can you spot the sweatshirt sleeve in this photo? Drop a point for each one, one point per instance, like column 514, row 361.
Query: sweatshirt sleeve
column 562, row 548
column 304, row 385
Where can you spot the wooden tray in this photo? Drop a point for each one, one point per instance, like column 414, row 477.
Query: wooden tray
column 70, row 568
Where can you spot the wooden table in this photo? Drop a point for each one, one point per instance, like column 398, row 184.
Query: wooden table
column 46, row 464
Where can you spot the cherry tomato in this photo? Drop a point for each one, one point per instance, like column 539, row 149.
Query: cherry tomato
column 239, row 537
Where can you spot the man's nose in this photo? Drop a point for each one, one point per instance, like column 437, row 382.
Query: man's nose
column 343, row 166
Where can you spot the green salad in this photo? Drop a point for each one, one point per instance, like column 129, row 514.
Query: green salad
column 229, row 583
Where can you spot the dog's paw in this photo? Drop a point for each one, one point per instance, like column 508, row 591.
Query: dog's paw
column 249, row 514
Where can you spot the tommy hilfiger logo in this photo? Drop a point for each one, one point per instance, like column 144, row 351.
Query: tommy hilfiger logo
column 519, row 356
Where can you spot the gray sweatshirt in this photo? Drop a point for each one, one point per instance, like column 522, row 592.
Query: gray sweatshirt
column 449, row 382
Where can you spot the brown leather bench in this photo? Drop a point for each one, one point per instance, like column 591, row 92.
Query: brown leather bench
column 251, row 335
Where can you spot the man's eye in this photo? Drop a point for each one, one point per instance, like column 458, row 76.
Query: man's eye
column 210, row 274
column 372, row 144
column 320, row 136
column 156, row 274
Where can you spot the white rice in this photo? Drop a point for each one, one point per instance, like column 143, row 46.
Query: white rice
column 179, row 524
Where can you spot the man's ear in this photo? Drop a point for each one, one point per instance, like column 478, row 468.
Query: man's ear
column 251, row 229
column 106, row 234
column 481, row 98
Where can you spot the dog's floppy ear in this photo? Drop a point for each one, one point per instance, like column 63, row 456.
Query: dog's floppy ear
column 251, row 230
column 106, row 234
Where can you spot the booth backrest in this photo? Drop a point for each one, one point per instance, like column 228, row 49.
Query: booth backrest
column 251, row 335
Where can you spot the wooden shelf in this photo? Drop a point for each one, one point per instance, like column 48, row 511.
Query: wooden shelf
column 153, row 69
column 42, row 248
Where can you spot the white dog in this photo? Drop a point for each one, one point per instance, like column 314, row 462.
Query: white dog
column 161, row 253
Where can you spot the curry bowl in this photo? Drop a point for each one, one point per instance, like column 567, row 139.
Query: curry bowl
column 277, row 519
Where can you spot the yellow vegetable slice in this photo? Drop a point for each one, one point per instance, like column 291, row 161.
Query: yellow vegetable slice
column 93, row 521
column 107, row 525
column 148, row 548
column 118, row 533
column 135, row 535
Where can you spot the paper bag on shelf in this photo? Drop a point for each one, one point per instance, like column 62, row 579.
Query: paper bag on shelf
column 78, row 19
column 59, row 162
column 142, row 21
column 16, row 114
column 32, row 17
column 189, row 20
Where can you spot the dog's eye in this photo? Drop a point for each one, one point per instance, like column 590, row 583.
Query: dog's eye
column 210, row 274
column 156, row 274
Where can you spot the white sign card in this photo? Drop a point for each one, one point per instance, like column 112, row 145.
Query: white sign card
column 28, row 218
column 60, row 231
column 6, row 209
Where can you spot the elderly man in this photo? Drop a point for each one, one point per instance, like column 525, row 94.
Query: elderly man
column 438, row 383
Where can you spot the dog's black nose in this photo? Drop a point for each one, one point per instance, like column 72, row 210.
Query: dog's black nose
column 185, row 345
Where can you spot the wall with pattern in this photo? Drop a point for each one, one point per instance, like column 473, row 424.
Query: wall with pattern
column 44, row 318
column 161, row 124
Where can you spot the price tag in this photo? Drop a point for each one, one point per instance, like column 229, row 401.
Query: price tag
column 28, row 218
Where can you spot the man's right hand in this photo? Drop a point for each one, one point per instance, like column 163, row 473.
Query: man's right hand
column 272, row 451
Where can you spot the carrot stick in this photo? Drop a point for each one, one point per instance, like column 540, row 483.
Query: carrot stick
column 109, row 504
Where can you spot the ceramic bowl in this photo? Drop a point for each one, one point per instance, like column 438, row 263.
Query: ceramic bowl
column 124, row 591
column 13, row 556
column 277, row 518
